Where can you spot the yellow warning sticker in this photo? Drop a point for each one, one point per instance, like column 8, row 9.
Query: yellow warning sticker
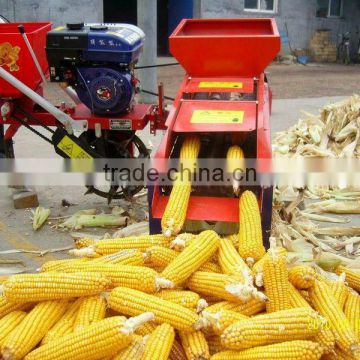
column 71, row 149
column 217, row 117
column 221, row 84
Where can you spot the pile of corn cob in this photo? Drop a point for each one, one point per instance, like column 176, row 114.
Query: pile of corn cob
column 188, row 297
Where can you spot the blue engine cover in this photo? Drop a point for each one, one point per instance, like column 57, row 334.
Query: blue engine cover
column 105, row 90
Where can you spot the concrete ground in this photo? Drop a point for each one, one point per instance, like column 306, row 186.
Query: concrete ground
column 295, row 88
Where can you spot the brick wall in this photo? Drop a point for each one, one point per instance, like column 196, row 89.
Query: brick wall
column 322, row 49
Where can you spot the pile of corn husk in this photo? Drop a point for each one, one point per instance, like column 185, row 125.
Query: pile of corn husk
column 334, row 133
column 299, row 214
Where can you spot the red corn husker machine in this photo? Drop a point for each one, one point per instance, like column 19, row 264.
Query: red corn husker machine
column 225, row 99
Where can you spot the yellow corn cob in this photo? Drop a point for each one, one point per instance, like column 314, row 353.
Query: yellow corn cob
column 302, row 276
column 133, row 302
column 124, row 257
column 326, row 339
column 159, row 344
column 251, row 246
column 219, row 321
column 57, row 265
column 135, row 277
column 181, row 241
column 352, row 276
column 146, row 328
column 234, row 238
column 210, row 267
column 214, row 343
column 252, row 307
column 92, row 309
column 177, row 351
column 134, row 351
column 160, row 256
column 32, row 329
column 99, row 340
column 235, row 164
column 305, row 295
column 290, row 350
column 111, row 246
column 53, row 286
column 340, row 291
column 213, row 284
column 65, row 324
column 258, row 268
column 276, row 282
column 8, row 323
column 84, row 242
column 175, row 211
column 230, row 261
column 352, row 312
column 189, row 153
column 322, row 300
column 195, row 345
column 196, row 254
column 296, row 300
column 7, row 306
column 188, row 299
column 279, row 326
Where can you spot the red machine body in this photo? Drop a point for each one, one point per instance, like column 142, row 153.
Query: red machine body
column 221, row 56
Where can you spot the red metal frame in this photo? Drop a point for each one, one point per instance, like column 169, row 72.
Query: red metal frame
column 217, row 53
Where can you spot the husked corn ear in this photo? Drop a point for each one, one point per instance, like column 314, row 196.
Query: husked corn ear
column 177, row 351
column 53, row 286
column 289, row 350
column 133, row 302
column 326, row 339
column 352, row 312
column 352, row 276
column 323, row 301
column 337, row 354
column 196, row 254
column 250, row 308
column 160, row 256
column 92, row 309
column 340, row 291
column 195, row 345
column 188, row 299
column 221, row 320
column 276, row 282
column 175, row 211
column 189, row 152
column 135, row 277
column 235, row 164
column 111, row 246
column 58, row 265
column 296, row 300
column 97, row 341
column 230, row 261
column 146, row 328
column 214, row 343
column 159, row 344
column 305, row 295
column 251, row 246
column 124, row 257
column 279, row 326
column 134, row 351
column 181, row 241
column 7, row 306
column 65, row 324
column 258, row 268
column 210, row 267
column 302, row 276
column 8, row 323
column 32, row 329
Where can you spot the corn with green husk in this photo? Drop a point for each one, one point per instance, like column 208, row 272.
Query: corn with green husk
column 39, row 216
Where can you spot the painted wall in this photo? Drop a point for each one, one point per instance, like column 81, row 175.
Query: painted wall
column 57, row 11
column 299, row 15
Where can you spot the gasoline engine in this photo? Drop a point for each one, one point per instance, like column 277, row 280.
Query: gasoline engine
column 97, row 61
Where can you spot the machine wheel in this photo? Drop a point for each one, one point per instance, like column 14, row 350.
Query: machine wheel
column 115, row 144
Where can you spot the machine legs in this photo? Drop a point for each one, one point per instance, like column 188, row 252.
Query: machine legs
column 154, row 224
column 266, row 214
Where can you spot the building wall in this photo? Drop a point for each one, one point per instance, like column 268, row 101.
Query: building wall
column 299, row 15
column 57, row 11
